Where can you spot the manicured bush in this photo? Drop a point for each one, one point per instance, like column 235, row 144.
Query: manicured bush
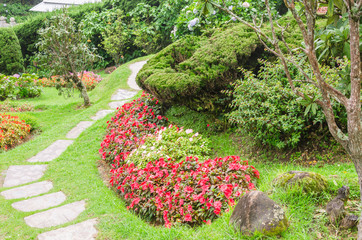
column 171, row 142
column 12, row 131
column 17, row 87
column 11, row 59
column 189, row 192
column 89, row 79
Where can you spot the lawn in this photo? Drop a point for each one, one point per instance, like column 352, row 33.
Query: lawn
column 76, row 173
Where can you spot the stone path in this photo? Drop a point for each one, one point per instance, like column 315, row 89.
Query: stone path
column 48, row 213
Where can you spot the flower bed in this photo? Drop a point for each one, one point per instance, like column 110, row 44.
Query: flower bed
column 166, row 187
column 16, row 86
column 12, row 131
column 12, row 107
column 90, row 80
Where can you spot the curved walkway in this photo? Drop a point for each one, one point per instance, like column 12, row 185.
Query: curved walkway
column 51, row 212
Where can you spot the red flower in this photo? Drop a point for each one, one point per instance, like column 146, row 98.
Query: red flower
column 188, row 218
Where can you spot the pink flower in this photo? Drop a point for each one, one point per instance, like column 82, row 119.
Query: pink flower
column 217, row 204
column 188, row 218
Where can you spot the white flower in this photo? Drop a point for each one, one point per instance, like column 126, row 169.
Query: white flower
column 188, row 131
column 195, row 11
column 245, row 5
column 214, row 12
column 196, row 134
column 233, row 18
column 187, row 12
column 231, row 7
column 174, row 31
column 192, row 23
column 152, row 148
column 191, row 139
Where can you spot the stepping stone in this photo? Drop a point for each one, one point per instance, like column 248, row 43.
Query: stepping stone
column 122, row 94
column 21, row 174
column 56, row 216
column 51, row 152
column 77, row 130
column 101, row 114
column 28, row 190
column 135, row 68
column 80, row 231
column 39, row 203
column 115, row 105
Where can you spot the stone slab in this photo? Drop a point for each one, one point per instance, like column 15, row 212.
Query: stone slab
column 28, row 190
column 80, row 231
column 21, row 174
column 115, row 105
column 56, row 216
column 77, row 130
column 122, row 94
column 40, row 203
column 101, row 114
column 51, row 152
column 135, row 68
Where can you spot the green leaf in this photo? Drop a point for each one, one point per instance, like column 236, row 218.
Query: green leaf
column 307, row 110
column 330, row 8
column 347, row 50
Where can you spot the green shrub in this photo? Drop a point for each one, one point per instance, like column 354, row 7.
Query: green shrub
column 17, row 87
column 11, row 59
column 172, row 142
column 194, row 70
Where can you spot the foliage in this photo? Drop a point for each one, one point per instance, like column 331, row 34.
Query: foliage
column 266, row 108
column 190, row 192
column 19, row 11
column 12, row 130
column 11, row 60
column 89, row 79
column 64, row 52
column 193, row 70
column 17, row 87
column 171, row 142
column 7, row 106
column 127, row 130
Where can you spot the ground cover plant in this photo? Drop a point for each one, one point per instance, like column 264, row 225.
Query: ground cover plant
column 89, row 79
column 18, row 87
column 12, row 130
column 7, row 106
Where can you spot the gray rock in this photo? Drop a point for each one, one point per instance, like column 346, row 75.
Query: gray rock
column 77, row 130
column 335, row 208
column 80, row 231
column 56, row 216
column 122, row 94
column 255, row 211
column 115, row 105
column 40, row 203
column 101, row 114
column 51, row 152
column 135, row 68
column 21, row 174
column 310, row 182
column 28, row 190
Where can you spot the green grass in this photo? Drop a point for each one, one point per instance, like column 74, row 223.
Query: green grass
column 75, row 173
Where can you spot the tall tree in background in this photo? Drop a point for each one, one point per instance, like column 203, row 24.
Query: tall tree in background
column 305, row 13
column 64, row 52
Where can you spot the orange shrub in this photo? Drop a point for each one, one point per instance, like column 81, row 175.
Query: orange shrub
column 12, row 131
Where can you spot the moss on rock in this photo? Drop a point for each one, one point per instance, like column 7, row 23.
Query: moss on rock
column 310, row 182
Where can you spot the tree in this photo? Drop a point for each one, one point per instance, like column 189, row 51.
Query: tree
column 64, row 52
column 304, row 13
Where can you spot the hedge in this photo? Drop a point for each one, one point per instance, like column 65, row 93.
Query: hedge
column 11, row 59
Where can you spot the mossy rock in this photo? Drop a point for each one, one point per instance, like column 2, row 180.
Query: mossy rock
column 310, row 182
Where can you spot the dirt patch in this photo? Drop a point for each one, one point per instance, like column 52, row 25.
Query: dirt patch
column 2, row 179
column 104, row 172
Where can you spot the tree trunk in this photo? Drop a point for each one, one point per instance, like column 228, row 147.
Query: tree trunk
column 83, row 90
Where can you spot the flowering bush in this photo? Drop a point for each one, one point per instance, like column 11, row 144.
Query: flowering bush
column 7, row 106
column 17, row 86
column 189, row 192
column 12, row 130
column 128, row 129
column 90, row 80
column 171, row 142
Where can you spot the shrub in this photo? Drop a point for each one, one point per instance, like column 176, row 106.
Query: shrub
column 190, row 192
column 15, row 107
column 12, row 131
column 171, row 142
column 89, row 79
column 17, row 86
column 11, row 59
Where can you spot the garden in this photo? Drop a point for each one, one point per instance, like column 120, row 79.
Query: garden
column 247, row 124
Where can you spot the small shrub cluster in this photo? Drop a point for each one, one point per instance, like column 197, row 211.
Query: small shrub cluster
column 168, row 185
column 12, row 131
column 171, row 142
column 89, row 79
column 7, row 106
column 17, row 87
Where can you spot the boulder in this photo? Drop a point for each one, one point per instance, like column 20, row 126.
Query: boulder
column 335, row 208
column 310, row 182
column 255, row 211
column 349, row 221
